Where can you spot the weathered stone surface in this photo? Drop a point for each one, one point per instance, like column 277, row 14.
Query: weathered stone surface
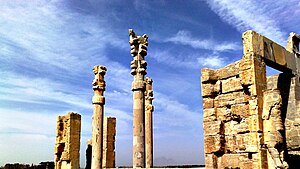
column 209, row 89
column 97, row 126
column 214, row 143
column 67, row 147
column 254, row 121
column 229, row 99
column 241, row 110
column 209, row 115
column 138, row 51
column 231, row 84
column 213, row 127
column 278, row 56
column 211, row 161
column 228, row 71
column 208, row 103
column 208, row 75
column 149, row 108
column 109, row 134
column 247, row 77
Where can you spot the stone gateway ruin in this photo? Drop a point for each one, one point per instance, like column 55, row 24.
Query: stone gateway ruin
column 251, row 120
column 100, row 152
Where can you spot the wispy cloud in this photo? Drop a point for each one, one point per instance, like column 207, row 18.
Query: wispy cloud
column 212, row 61
column 16, row 87
column 189, row 60
column 54, row 37
column 172, row 113
column 185, row 38
column 256, row 15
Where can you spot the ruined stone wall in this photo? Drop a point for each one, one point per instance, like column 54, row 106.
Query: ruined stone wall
column 67, row 147
column 250, row 120
column 109, row 133
column 230, row 115
column 289, row 93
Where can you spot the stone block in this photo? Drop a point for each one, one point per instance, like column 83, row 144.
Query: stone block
column 241, row 110
column 247, row 77
column 231, row 84
column 279, row 54
column 214, row 144
column 290, row 61
column 210, row 89
column 229, row 99
column 207, row 103
column 228, row 71
column 246, row 63
column 209, row 115
column 249, row 142
column 267, row 50
column 109, row 132
column 213, row 127
column 223, row 114
column 230, row 161
column 272, row 82
column 252, row 43
column 208, row 75
column 211, row 161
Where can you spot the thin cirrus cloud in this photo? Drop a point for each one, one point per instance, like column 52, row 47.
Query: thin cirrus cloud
column 266, row 17
column 212, row 61
column 21, row 88
column 185, row 38
column 53, row 37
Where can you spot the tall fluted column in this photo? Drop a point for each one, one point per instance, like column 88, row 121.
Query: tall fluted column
column 98, row 102
column 138, row 46
column 149, row 122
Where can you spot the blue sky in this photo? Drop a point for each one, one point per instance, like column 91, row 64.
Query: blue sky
column 48, row 49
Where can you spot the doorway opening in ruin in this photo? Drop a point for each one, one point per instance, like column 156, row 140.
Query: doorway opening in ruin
column 60, row 150
column 271, row 71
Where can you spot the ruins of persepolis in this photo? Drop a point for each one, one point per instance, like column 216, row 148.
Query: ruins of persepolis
column 108, row 150
column 251, row 120
column 67, row 147
column 109, row 133
column 98, row 102
column 149, row 108
column 138, row 50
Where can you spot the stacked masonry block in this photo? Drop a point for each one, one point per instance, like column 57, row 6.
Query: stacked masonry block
column 289, row 88
column 250, row 120
column 67, row 145
column 108, row 150
column 109, row 134
column 231, row 111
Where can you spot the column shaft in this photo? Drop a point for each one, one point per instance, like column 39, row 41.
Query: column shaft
column 98, row 102
column 138, row 129
column 97, row 137
column 138, row 46
column 149, row 123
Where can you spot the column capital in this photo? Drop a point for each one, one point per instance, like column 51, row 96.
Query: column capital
column 98, row 82
column 138, row 85
column 138, row 50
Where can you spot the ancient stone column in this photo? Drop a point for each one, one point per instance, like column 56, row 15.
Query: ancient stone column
column 109, row 133
column 149, row 123
column 98, row 102
column 138, row 46
column 67, row 145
